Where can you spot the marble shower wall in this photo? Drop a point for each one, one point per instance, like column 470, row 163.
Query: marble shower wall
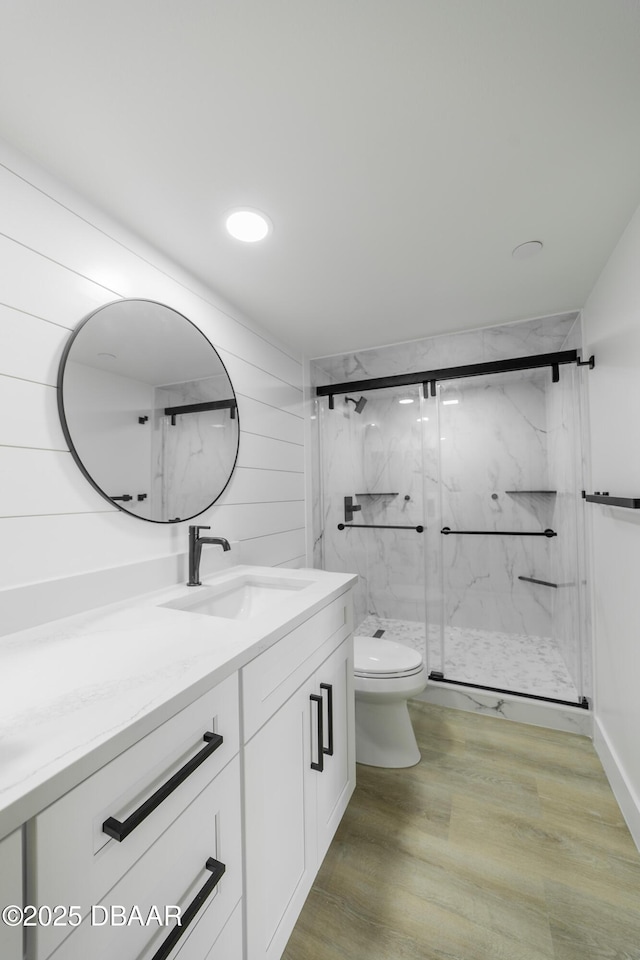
column 522, row 339
column 375, row 458
column 504, row 438
column 201, row 446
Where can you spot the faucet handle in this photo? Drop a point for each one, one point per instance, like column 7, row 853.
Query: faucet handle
column 196, row 529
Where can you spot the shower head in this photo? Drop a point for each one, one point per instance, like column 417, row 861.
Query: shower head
column 359, row 404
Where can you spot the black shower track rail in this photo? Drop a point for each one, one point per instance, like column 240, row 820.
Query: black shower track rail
column 429, row 378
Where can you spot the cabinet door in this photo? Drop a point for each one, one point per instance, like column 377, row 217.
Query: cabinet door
column 227, row 946
column 334, row 786
column 11, row 893
column 281, row 853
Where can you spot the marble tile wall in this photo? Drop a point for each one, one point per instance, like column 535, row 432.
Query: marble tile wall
column 375, row 457
column 201, row 445
column 522, row 339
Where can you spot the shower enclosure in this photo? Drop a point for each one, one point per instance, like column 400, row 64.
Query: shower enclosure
column 458, row 503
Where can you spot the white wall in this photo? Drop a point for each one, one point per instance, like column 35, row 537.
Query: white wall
column 612, row 333
column 60, row 259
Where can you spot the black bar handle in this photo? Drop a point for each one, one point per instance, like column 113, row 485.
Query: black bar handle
column 377, row 526
column 217, row 869
column 125, row 496
column 319, row 765
column 500, row 533
column 329, row 688
column 119, row 830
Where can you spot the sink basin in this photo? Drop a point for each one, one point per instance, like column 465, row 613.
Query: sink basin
column 241, row 598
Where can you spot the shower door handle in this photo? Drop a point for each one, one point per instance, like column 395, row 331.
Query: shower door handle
column 319, row 764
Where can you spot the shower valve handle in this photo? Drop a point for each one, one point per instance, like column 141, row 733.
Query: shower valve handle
column 350, row 508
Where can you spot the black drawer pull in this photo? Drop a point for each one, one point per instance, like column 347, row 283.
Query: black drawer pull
column 329, row 688
column 118, row 830
column 319, row 765
column 217, row 869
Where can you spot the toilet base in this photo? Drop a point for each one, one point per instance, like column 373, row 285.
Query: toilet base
column 384, row 734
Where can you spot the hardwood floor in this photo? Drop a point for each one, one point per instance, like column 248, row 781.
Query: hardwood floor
column 504, row 843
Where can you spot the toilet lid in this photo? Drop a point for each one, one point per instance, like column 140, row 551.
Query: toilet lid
column 377, row 657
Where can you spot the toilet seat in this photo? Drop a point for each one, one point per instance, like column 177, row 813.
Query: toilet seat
column 379, row 659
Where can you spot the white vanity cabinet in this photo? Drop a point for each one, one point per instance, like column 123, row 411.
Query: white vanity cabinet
column 221, row 814
column 11, row 894
column 299, row 768
column 171, row 856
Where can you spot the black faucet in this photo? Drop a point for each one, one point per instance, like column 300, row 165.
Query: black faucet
column 195, row 549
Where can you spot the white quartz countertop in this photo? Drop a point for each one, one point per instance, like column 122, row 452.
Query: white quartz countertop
column 74, row 693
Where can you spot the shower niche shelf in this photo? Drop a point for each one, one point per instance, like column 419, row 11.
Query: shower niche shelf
column 631, row 503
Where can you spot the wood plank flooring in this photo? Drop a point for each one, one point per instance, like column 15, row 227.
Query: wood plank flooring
column 504, row 843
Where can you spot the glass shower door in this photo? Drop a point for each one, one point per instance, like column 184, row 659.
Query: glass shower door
column 505, row 550
column 370, row 461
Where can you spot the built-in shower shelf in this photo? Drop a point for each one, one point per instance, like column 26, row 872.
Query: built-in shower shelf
column 548, row 493
column 374, row 493
column 632, row 503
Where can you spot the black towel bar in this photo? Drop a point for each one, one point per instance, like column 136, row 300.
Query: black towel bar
column 501, row 533
column 377, row 526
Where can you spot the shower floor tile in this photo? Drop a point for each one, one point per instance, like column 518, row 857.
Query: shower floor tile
column 517, row 662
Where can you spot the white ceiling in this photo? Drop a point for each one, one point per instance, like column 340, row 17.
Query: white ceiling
column 402, row 148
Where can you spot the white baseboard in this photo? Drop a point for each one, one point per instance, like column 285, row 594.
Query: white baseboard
column 628, row 802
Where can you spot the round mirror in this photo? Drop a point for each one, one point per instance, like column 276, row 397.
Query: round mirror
column 148, row 410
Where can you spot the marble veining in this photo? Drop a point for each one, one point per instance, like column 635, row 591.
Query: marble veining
column 201, row 447
column 521, row 339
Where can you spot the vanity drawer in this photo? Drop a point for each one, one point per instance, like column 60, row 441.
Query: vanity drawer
column 172, row 873
column 76, row 862
column 270, row 679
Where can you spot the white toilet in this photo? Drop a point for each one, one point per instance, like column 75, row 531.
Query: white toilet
column 386, row 675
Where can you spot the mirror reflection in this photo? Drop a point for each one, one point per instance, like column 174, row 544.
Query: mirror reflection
column 149, row 411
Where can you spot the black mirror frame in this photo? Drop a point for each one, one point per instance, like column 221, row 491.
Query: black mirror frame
column 63, row 419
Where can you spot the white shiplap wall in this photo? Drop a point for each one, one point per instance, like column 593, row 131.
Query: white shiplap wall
column 60, row 259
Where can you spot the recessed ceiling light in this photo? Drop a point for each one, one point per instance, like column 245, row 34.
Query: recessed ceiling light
column 528, row 249
column 406, row 400
column 451, row 401
column 248, row 225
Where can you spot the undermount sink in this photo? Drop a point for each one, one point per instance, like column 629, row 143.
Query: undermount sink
column 241, row 598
